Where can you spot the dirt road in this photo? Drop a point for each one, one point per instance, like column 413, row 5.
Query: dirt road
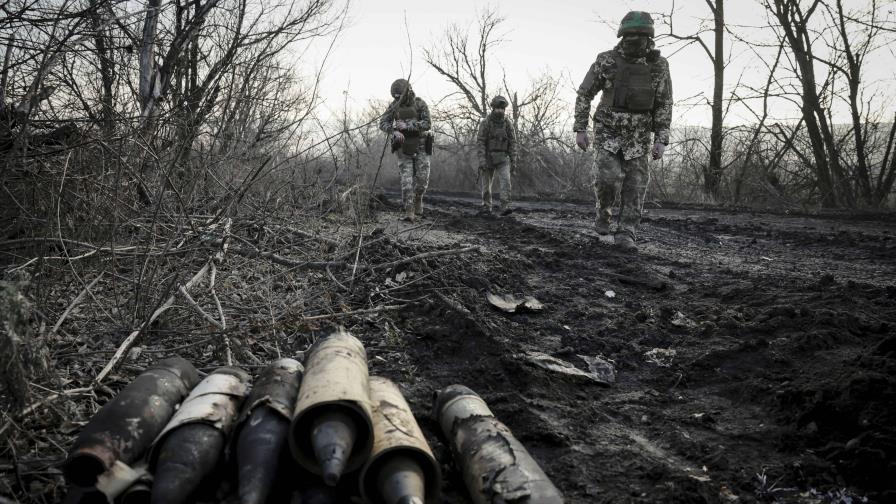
column 756, row 353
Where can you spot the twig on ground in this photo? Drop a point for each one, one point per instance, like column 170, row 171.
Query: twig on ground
column 425, row 255
column 75, row 303
column 50, row 398
column 134, row 336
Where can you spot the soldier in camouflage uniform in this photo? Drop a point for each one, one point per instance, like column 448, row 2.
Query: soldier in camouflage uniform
column 495, row 149
column 635, row 104
column 407, row 120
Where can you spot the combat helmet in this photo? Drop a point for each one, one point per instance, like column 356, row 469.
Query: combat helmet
column 636, row 23
column 399, row 87
column 499, row 102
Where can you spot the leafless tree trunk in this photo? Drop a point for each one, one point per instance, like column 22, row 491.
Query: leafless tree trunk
column 794, row 21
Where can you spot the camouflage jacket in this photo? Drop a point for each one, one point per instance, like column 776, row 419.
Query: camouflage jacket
column 422, row 124
column 486, row 126
column 626, row 131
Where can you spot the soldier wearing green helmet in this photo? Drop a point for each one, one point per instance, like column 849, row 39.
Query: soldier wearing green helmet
column 635, row 111
column 496, row 152
column 408, row 123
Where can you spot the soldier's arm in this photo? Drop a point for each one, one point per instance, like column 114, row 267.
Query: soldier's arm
column 423, row 121
column 591, row 84
column 386, row 119
column 481, row 140
column 662, row 109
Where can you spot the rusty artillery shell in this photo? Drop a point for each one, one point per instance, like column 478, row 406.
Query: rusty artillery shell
column 401, row 468
column 496, row 466
column 192, row 444
column 126, row 426
column 331, row 431
column 263, row 428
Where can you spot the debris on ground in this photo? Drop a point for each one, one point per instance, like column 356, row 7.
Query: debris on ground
column 514, row 304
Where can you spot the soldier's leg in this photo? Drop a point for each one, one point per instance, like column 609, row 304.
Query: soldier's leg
column 633, row 189
column 503, row 170
column 486, row 175
column 607, row 177
column 406, row 172
column 421, row 180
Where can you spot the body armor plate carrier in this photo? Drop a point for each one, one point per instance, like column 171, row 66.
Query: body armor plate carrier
column 498, row 142
column 411, row 138
column 632, row 89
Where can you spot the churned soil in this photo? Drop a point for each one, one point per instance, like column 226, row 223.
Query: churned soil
column 755, row 353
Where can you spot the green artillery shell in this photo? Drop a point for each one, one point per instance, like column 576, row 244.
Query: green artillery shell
column 126, row 426
column 496, row 466
column 401, row 468
column 262, row 431
column 192, row 444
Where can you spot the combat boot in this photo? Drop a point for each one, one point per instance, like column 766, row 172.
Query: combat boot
column 625, row 240
column 506, row 209
column 602, row 221
column 484, row 211
column 418, row 205
column 408, row 214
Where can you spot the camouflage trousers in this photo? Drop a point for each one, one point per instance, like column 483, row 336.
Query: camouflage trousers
column 487, row 176
column 414, row 171
column 616, row 179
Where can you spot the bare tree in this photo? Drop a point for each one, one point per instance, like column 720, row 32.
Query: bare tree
column 715, row 52
column 465, row 61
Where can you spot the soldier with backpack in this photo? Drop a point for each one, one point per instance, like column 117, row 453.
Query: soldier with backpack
column 408, row 123
column 495, row 149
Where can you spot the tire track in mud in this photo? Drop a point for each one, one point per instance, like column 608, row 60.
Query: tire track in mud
column 748, row 400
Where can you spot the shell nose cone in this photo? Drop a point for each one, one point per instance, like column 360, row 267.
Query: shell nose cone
column 333, row 437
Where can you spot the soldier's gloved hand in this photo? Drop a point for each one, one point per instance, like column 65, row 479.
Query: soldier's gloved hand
column 582, row 140
column 658, row 150
column 401, row 125
column 397, row 137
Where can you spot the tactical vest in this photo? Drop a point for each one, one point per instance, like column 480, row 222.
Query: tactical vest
column 411, row 138
column 497, row 142
column 632, row 89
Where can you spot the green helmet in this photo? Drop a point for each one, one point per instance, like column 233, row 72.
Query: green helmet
column 399, row 87
column 499, row 102
column 636, row 23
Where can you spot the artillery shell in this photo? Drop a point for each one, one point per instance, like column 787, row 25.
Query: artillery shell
column 126, row 426
column 496, row 466
column 401, row 468
column 110, row 485
column 188, row 454
column 191, row 445
column 333, row 435
column 262, row 431
column 332, row 413
column 258, row 454
column 139, row 493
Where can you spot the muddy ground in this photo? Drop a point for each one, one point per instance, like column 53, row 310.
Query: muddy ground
column 755, row 352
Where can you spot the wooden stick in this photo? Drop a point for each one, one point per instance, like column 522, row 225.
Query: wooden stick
column 425, row 255
column 193, row 304
column 74, row 303
column 132, row 338
column 353, row 312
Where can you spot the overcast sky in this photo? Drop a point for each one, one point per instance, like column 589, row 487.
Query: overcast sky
column 561, row 37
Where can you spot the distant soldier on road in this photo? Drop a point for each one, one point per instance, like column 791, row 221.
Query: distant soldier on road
column 408, row 122
column 495, row 149
column 635, row 104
